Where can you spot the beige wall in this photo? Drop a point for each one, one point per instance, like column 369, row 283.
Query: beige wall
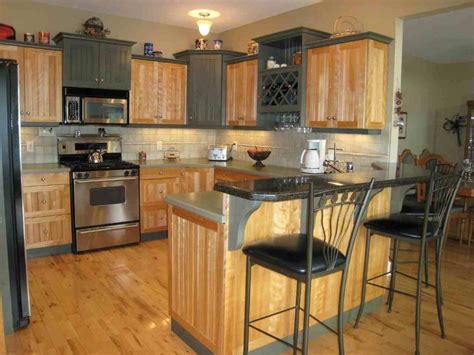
column 29, row 16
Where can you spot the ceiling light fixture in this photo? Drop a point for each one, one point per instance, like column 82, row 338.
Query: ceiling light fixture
column 203, row 22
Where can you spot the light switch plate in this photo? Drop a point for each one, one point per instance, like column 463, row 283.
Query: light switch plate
column 159, row 145
column 30, row 147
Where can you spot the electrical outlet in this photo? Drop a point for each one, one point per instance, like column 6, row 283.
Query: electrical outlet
column 159, row 145
column 30, row 147
column 235, row 145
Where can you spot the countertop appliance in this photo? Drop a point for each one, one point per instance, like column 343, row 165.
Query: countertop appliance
column 312, row 158
column 95, row 106
column 217, row 153
column 13, row 262
column 105, row 195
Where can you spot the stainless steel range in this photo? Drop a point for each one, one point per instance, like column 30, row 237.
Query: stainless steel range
column 105, row 192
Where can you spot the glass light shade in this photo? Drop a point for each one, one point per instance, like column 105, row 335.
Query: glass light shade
column 204, row 26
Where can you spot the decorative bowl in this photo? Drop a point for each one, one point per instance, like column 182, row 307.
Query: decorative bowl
column 258, row 156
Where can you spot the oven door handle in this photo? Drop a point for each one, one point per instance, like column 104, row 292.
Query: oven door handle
column 106, row 229
column 106, row 180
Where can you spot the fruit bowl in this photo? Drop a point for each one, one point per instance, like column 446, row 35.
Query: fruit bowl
column 258, row 155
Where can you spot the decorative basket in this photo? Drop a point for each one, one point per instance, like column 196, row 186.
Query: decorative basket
column 346, row 26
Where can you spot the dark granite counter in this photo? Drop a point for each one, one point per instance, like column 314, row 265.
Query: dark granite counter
column 290, row 188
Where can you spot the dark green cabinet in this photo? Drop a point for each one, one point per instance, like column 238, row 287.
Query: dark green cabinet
column 206, row 85
column 95, row 63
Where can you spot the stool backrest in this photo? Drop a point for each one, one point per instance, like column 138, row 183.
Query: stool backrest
column 442, row 191
column 338, row 215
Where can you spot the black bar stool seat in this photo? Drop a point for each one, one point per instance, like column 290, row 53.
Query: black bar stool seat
column 402, row 227
column 287, row 255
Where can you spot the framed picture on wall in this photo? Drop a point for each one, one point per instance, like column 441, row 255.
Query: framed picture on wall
column 402, row 129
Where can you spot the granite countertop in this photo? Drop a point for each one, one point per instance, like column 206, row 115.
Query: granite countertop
column 205, row 204
column 236, row 165
column 44, row 168
column 296, row 187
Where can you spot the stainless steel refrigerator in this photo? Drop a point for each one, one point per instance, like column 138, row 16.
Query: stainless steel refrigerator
column 13, row 268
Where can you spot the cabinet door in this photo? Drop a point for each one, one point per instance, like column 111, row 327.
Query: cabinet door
column 144, row 93
column 250, row 90
column 153, row 191
column 16, row 53
column 235, row 99
column 81, row 63
column 42, row 201
column 115, row 63
column 376, row 105
column 42, row 85
column 350, row 61
column 47, row 231
column 172, row 80
column 198, row 180
column 205, row 90
column 319, row 105
column 154, row 218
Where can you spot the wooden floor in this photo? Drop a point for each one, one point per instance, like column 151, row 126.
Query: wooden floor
column 115, row 301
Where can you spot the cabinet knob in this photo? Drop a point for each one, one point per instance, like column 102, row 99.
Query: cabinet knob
column 96, row 80
column 43, row 202
column 334, row 118
column 161, row 192
column 160, row 116
column 28, row 113
column 45, row 232
column 43, row 179
column 161, row 173
column 22, row 112
column 101, row 80
column 190, row 118
column 328, row 118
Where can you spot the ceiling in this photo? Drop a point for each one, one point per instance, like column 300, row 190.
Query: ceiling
column 442, row 38
column 234, row 13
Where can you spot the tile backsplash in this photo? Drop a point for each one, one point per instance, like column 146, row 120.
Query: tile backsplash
column 286, row 146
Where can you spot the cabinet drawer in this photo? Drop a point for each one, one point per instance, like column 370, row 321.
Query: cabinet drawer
column 42, row 201
column 154, row 218
column 45, row 179
column 160, row 173
column 153, row 191
column 47, row 231
column 232, row 176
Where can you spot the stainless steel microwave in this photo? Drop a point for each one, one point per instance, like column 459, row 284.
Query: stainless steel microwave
column 95, row 106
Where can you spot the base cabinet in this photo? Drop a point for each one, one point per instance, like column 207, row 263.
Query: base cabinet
column 47, row 210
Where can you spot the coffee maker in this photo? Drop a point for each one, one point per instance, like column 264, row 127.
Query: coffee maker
column 312, row 158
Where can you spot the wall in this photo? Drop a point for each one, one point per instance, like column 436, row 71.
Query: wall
column 431, row 93
column 420, row 97
column 29, row 16
column 192, row 143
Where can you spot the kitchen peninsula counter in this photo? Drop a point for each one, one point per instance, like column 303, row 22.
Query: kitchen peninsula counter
column 207, row 266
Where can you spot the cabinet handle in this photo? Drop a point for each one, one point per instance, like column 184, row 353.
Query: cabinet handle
column 101, row 80
column 328, row 118
column 160, row 116
column 334, row 118
column 22, row 112
column 96, row 80
column 161, row 192
column 45, row 232
column 43, row 179
column 44, row 202
column 28, row 113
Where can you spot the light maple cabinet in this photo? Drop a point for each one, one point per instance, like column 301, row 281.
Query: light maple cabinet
column 241, row 93
column 347, row 85
column 47, row 209
column 158, row 94
column 40, row 79
column 157, row 183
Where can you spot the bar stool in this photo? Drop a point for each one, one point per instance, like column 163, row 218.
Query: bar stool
column 304, row 258
column 417, row 230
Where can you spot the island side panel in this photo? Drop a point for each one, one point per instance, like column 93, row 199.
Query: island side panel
column 196, row 275
column 272, row 292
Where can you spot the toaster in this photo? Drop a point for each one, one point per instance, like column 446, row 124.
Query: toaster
column 217, row 153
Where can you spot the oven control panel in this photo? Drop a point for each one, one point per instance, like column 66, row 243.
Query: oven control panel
column 105, row 174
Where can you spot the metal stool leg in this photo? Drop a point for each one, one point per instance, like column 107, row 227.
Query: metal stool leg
column 297, row 317
column 248, row 282
column 421, row 263
column 340, row 313
column 393, row 276
column 426, row 266
column 364, row 278
column 439, row 300
column 307, row 304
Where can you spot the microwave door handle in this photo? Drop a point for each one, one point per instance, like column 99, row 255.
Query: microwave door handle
column 105, row 180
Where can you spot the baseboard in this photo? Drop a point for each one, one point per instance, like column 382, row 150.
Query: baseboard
column 146, row 237
column 277, row 347
column 47, row 251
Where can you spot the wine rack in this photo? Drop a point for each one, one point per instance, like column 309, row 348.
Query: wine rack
column 280, row 90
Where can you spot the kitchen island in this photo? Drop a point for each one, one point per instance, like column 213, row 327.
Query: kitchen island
column 207, row 267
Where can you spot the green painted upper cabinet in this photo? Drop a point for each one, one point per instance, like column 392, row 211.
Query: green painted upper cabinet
column 206, row 85
column 95, row 62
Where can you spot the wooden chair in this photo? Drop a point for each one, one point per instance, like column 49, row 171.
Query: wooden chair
column 407, row 157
